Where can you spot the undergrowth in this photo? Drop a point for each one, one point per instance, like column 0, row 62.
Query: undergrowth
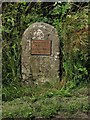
column 44, row 101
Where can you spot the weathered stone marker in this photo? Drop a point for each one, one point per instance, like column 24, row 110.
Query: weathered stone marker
column 40, row 53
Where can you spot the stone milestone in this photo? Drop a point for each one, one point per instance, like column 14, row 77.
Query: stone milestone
column 40, row 53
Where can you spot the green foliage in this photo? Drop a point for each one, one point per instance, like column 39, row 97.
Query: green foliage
column 11, row 92
column 11, row 44
column 75, row 50
column 70, row 20
column 71, row 27
column 42, row 102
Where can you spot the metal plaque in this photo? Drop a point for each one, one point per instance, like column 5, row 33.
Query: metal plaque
column 40, row 47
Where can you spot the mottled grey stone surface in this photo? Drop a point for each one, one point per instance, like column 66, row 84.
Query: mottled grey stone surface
column 40, row 67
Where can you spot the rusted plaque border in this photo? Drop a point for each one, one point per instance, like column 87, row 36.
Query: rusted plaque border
column 41, row 47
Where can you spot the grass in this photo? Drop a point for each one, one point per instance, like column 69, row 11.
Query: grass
column 46, row 101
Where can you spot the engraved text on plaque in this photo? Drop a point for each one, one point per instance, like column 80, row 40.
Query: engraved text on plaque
column 40, row 47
